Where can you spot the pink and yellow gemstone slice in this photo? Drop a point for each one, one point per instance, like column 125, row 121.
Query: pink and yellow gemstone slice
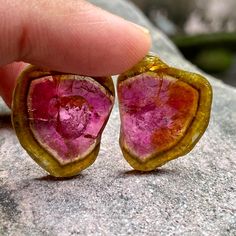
column 59, row 118
column 159, row 107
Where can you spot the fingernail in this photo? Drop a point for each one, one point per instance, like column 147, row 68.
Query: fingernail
column 145, row 30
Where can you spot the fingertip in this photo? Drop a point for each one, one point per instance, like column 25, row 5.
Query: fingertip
column 93, row 42
column 65, row 38
column 137, row 45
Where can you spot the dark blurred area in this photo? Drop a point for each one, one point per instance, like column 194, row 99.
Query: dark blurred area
column 204, row 31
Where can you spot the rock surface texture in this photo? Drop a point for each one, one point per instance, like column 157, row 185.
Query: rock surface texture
column 193, row 195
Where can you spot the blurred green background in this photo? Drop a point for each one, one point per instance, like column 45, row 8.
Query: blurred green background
column 204, row 31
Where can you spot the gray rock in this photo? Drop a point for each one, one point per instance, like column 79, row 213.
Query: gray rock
column 193, row 195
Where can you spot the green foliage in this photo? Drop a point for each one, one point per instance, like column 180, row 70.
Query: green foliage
column 214, row 60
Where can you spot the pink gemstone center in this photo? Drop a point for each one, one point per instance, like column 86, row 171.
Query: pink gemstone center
column 155, row 113
column 68, row 114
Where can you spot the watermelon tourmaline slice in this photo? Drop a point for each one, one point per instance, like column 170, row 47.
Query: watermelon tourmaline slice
column 163, row 111
column 62, row 124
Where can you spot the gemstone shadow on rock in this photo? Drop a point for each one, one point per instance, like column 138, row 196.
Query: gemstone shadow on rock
column 164, row 111
column 59, row 118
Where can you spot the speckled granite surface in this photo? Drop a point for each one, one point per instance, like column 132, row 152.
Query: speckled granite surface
column 193, row 195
